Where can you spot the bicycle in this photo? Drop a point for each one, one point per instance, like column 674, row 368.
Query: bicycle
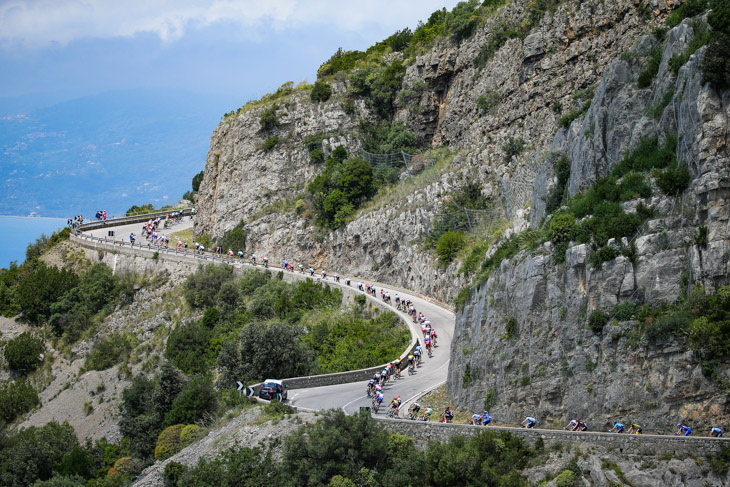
column 411, row 369
column 430, row 353
column 376, row 405
column 392, row 412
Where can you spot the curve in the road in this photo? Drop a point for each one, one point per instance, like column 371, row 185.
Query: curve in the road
column 349, row 396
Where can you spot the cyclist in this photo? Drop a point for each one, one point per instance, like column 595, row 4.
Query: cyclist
column 423, row 329
column 371, row 387
column 572, row 425
column 411, row 363
column 347, row 281
column 683, row 430
column 486, row 418
column 418, row 352
column 337, row 278
column 427, row 342
column 476, row 419
column 377, row 400
column 427, row 414
column 266, row 262
column 413, row 410
column 581, row 426
column 230, row 254
column 617, row 428
column 528, row 422
column 634, row 429
column 716, row 432
column 131, row 238
column 324, row 274
column 301, row 268
column 395, row 405
column 240, row 255
column 311, row 271
column 253, row 258
column 447, row 415
column 433, row 336
column 396, row 367
column 384, row 376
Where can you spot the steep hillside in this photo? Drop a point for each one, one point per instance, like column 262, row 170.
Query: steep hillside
column 494, row 99
column 592, row 106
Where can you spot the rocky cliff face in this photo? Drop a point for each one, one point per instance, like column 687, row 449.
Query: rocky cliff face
column 553, row 366
column 531, row 83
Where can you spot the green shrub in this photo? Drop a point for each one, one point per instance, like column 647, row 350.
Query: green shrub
column 488, row 100
column 702, row 35
column 16, row 399
column 108, row 352
column 566, row 120
column 316, row 156
column 321, row 91
column 168, row 443
column 448, row 245
column 43, row 287
column 673, row 180
column 268, row 118
column 197, row 401
column 647, row 156
column 23, row 353
column 625, row 311
column 511, row 328
column 188, row 347
column 270, row 142
column 566, row 478
column 690, row 8
column 555, row 198
column 597, row 320
column 191, row 433
column 562, row 228
column 652, row 67
column 716, row 63
column 140, row 209
column 603, row 254
column 201, row 287
column 513, row 147
column 35, row 454
column 173, row 473
column 462, row 20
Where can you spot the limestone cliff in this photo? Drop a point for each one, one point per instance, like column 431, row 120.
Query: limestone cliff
column 555, row 367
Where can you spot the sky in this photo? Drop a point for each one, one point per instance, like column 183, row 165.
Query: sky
column 54, row 50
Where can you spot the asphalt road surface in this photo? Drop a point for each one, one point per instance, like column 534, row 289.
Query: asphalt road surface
column 350, row 397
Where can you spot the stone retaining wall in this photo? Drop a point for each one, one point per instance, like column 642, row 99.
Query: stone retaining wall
column 423, row 432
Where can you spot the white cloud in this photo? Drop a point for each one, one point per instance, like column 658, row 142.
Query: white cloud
column 44, row 22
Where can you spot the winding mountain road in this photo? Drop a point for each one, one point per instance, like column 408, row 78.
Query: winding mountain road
column 350, row 396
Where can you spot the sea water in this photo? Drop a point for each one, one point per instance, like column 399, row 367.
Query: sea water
column 18, row 231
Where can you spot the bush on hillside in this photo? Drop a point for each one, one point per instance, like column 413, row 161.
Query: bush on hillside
column 196, row 402
column 201, row 287
column 23, row 353
column 448, row 246
column 16, row 398
column 597, row 320
column 43, row 287
column 188, row 347
column 108, row 352
column 191, row 433
column 321, row 91
column 268, row 118
column 168, row 443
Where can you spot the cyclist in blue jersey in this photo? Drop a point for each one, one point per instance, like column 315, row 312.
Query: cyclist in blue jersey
column 529, row 422
column 486, row 418
column 716, row 432
column 683, row 430
column 617, row 428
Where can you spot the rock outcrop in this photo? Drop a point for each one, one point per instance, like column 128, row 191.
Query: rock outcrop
column 554, row 366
